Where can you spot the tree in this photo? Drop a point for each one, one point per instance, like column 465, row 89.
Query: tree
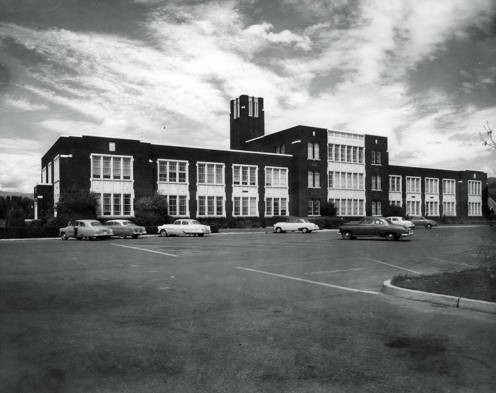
column 151, row 210
column 487, row 136
column 76, row 204
column 15, row 217
column 328, row 209
column 393, row 211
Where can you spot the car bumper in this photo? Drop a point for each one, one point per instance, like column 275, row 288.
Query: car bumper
column 410, row 233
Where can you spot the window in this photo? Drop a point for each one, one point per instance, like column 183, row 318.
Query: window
column 348, row 206
column 314, row 207
column 413, row 185
column 276, row 206
column 394, row 183
column 50, row 173
column 170, row 171
column 281, row 149
column 127, row 205
column 107, row 164
column 413, row 208
column 96, row 162
column 396, row 203
column 244, row 175
column 117, row 205
column 474, row 209
column 432, row 208
column 255, row 109
column 313, row 179
column 111, row 146
column 345, row 153
column 276, row 177
column 313, row 151
column 116, row 167
column 236, row 108
column 449, row 186
column 376, row 157
column 107, row 204
column 376, row 208
column 210, row 173
column 245, row 206
column 126, row 168
column 250, row 106
column 449, row 208
column 376, row 183
column 431, row 185
column 474, row 188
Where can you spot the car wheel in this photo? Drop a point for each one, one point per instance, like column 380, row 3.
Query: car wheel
column 79, row 238
column 347, row 235
column 305, row 230
column 63, row 236
column 278, row 230
column 391, row 236
column 428, row 226
column 163, row 233
column 134, row 236
column 201, row 234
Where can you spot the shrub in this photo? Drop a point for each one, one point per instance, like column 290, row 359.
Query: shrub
column 328, row 209
column 73, row 205
column 15, row 217
column 393, row 210
column 151, row 210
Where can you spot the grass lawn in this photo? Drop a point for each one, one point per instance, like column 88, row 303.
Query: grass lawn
column 479, row 283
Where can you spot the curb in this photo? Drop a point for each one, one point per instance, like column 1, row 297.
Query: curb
column 447, row 300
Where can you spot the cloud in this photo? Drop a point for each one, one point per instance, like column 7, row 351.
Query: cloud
column 24, row 105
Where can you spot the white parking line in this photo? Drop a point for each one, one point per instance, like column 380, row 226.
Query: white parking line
column 144, row 249
column 390, row 264
column 336, row 271
column 324, row 284
column 451, row 262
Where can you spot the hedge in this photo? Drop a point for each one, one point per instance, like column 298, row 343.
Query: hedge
column 24, row 232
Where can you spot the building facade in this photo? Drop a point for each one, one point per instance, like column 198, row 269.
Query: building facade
column 289, row 172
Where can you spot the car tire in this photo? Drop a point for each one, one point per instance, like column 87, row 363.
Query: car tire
column 79, row 238
column 201, row 234
column 163, row 233
column 346, row 235
column 428, row 226
column 391, row 236
column 305, row 230
column 278, row 230
column 134, row 236
column 63, row 236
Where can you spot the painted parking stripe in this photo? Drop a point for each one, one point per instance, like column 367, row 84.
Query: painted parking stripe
column 355, row 269
column 390, row 264
column 446, row 261
column 144, row 249
column 323, row 284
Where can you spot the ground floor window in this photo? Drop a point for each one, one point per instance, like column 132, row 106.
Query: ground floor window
column 114, row 204
column 432, row 208
column 348, row 206
column 413, row 208
column 210, row 205
column 314, row 207
column 245, row 207
column 449, row 208
column 376, row 208
column 276, row 206
column 396, row 203
column 474, row 209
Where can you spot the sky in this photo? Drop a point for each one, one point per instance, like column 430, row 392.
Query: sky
column 422, row 73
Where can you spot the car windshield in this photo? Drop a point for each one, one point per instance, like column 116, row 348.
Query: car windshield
column 302, row 220
column 194, row 222
column 95, row 223
column 127, row 222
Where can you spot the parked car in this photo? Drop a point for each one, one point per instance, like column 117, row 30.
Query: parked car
column 124, row 228
column 184, row 226
column 90, row 229
column 374, row 226
column 401, row 221
column 295, row 224
column 423, row 222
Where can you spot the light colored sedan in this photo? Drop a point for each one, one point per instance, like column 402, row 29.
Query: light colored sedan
column 401, row 221
column 90, row 229
column 124, row 228
column 295, row 224
column 184, row 226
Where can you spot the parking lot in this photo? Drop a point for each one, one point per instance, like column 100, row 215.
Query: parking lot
column 239, row 312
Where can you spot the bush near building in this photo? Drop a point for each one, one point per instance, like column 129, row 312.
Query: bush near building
column 151, row 211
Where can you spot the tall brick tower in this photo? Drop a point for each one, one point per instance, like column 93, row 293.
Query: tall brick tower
column 246, row 120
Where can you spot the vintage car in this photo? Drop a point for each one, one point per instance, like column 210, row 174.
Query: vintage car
column 373, row 226
column 295, row 224
column 401, row 221
column 423, row 222
column 89, row 229
column 184, row 226
column 124, row 228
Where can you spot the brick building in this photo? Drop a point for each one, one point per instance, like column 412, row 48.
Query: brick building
column 289, row 172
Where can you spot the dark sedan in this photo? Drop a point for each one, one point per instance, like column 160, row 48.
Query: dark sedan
column 374, row 227
column 423, row 222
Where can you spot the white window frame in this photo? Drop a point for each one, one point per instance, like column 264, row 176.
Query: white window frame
column 447, row 185
column 417, row 181
column 250, row 211
column 239, row 168
column 282, row 174
column 216, row 164
column 474, row 187
column 395, row 180
column 167, row 163
column 113, row 157
column 313, row 179
column 431, row 185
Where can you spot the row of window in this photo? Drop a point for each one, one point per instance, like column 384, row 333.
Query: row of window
column 474, row 187
column 111, row 167
column 313, row 152
column 253, row 107
column 474, row 209
column 349, row 207
column 114, row 204
column 376, row 183
column 345, row 153
column 346, row 181
column 376, row 158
